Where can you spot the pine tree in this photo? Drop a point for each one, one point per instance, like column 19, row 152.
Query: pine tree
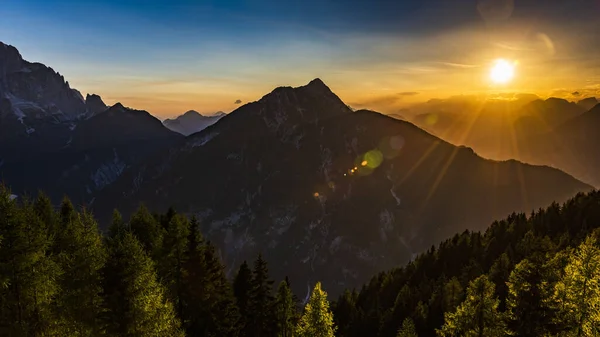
column 317, row 319
column 173, row 259
column 261, row 309
column 453, row 294
column 285, row 311
column 242, row 286
column 45, row 211
column 29, row 274
column 408, row 329
column 578, row 293
column 478, row 315
column 148, row 231
column 81, row 257
column 136, row 301
column 223, row 313
column 117, row 227
column 529, row 313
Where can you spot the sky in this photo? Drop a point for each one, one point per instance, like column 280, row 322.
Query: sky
column 168, row 57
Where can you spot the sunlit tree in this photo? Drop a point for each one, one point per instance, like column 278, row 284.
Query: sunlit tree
column 477, row 315
column 317, row 319
column 577, row 294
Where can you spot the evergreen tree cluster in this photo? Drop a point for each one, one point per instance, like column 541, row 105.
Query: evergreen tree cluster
column 536, row 275
column 153, row 275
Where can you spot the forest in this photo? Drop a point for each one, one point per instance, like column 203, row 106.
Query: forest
column 155, row 275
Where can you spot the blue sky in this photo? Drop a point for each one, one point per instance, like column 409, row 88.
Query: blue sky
column 171, row 56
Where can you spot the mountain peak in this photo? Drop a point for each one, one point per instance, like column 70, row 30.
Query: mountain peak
column 94, row 104
column 10, row 59
column 318, row 86
column 191, row 113
column 117, row 106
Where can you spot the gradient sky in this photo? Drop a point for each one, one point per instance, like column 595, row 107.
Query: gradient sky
column 171, row 56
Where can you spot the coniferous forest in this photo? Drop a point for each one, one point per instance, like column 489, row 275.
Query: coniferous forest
column 155, row 275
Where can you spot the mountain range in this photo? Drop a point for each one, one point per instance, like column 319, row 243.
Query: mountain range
column 192, row 122
column 324, row 192
column 551, row 132
column 327, row 193
column 53, row 139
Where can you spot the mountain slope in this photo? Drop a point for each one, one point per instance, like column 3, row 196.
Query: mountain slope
column 51, row 138
column 326, row 193
column 192, row 122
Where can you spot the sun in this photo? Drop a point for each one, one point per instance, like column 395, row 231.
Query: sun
column 502, row 71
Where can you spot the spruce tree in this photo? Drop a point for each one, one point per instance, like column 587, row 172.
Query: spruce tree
column 453, row 294
column 408, row 329
column 478, row 315
column 242, row 287
column 117, row 227
column 317, row 319
column 262, row 318
column 529, row 314
column 148, row 231
column 136, row 302
column 577, row 294
column 81, row 257
column 173, row 259
column 285, row 311
column 28, row 271
column 223, row 314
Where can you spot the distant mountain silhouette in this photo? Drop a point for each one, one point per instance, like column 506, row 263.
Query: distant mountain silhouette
column 542, row 116
column 51, row 138
column 551, row 132
column 192, row 122
column 326, row 193
column 573, row 146
column 588, row 103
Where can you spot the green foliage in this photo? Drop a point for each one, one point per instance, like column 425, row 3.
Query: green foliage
column 317, row 319
column 173, row 258
column 29, row 275
column 242, row 287
column 82, row 256
column 529, row 310
column 408, row 329
column 136, row 301
column 261, row 318
column 285, row 311
column 577, row 294
column 478, row 315
column 147, row 229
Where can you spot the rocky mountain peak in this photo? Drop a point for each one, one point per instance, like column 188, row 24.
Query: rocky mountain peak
column 10, row 59
column 94, row 104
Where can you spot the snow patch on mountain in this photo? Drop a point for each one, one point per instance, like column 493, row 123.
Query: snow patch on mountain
column 108, row 172
column 200, row 141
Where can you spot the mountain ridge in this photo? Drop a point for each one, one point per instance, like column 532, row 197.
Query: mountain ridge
column 338, row 194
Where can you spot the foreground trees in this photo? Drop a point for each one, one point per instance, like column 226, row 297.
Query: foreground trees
column 478, row 315
column 155, row 275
